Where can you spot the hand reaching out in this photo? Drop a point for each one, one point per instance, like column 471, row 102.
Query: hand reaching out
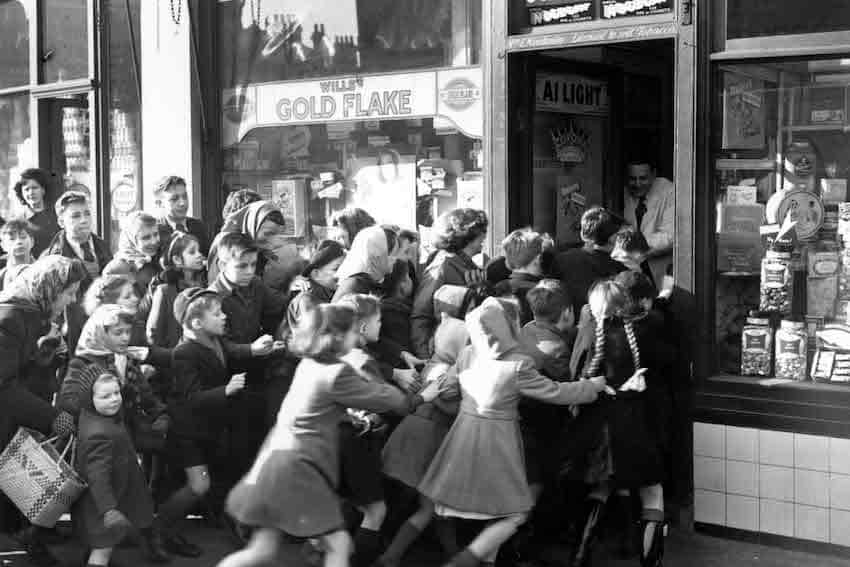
column 411, row 360
column 262, row 346
column 637, row 383
column 236, row 385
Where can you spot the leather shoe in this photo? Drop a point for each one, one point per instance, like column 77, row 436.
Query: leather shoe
column 178, row 545
column 154, row 547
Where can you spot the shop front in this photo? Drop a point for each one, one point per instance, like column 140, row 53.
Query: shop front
column 327, row 105
column 772, row 426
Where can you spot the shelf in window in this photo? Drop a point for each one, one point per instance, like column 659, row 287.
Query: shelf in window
column 818, row 128
column 740, row 275
column 747, row 164
column 252, row 171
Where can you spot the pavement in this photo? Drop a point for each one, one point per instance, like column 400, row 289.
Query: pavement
column 684, row 548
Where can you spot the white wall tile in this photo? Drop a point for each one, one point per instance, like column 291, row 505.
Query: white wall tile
column 742, row 478
column 839, row 491
column 776, row 483
column 742, row 444
column 710, row 507
column 839, row 527
column 776, row 448
column 811, row 452
column 710, row 440
column 811, row 523
column 776, row 517
column 709, row 474
column 839, row 455
column 742, row 512
column 811, row 488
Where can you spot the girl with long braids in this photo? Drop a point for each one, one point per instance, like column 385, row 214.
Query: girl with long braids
column 611, row 443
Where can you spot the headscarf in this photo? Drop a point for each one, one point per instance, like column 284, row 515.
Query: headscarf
column 92, row 340
column 249, row 219
column 42, row 282
column 368, row 255
column 493, row 328
column 128, row 248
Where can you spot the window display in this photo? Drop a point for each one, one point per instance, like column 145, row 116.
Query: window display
column 781, row 163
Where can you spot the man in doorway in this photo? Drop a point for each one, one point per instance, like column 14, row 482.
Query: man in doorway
column 649, row 204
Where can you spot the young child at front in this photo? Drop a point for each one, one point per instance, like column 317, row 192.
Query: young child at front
column 200, row 405
column 183, row 267
column 299, row 461
column 117, row 499
column 16, row 239
column 524, row 257
column 479, row 471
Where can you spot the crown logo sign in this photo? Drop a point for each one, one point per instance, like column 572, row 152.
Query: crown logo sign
column 570, row 143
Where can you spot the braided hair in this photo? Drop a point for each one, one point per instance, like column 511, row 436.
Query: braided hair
column 614, row 300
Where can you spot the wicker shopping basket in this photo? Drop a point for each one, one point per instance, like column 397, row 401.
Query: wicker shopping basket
column 38, row 479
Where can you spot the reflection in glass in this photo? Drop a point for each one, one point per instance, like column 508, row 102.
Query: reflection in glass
column 16, row 152
column 65, row 40
column 15, row 43
column 278, row 40
column 125, row 110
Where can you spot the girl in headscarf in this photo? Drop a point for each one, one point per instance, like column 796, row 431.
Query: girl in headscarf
column 104, row 348
column 29, row 337
column 138, row 255
column 367, row 263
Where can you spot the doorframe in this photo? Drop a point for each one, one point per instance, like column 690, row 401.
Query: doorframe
column 678, row 25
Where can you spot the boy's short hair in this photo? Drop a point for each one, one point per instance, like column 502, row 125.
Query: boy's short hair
column 105, row 378
column 235, row 244
column 69, row 198
column 192, row 303
column 320, row 334
column 632, row 241
column 364, row 305
column 17, row 226
column 548, row 300
column 166, row 183
column 598, row 225
column 636, row 285
column 200, row 307
column 521, row 247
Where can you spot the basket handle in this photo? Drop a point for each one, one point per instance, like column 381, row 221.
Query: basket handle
column 72, row 445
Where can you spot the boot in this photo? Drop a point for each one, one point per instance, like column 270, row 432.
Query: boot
column 464, row 559
column 367, row 546
column 593, row 513
column 154, row 546
column 447, row 535
column 33, row 542
column 404, row 538
column 652, row 530
column 629, row 544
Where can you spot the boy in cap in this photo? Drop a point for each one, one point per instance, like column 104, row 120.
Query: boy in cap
column 201, row 404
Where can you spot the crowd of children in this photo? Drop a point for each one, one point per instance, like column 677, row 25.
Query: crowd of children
column 362, row 386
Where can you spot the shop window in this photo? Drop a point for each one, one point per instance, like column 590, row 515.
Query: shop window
column 125, row 110
column 293, row 39
column 525, row 15
column 16, row 152
column 15, row 43
column 750, row 18
column 403, row 172
column 65, row 43
column 781, row 160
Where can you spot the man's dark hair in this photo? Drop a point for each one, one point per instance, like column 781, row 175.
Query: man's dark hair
column 598, row 225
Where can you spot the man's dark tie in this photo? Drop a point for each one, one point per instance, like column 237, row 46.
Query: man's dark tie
column 181, row 227
column 640, row 210
column 88, row 254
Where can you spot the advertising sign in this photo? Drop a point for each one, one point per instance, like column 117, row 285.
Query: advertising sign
column 571, row 94
column 626, row 8
column 452, row 93
column 545, row 12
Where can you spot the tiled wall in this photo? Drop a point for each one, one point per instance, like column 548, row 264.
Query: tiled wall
column 772, row 482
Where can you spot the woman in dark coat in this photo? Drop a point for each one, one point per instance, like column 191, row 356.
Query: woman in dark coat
column 118, row 497
column 28, row 339
column 32, row 191
column 458, row 236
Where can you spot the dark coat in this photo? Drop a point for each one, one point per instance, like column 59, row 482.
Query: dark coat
column 195, row 227
column 106, row 459
column 580, row 268
column 198, row 405
column 358, row 283
column 635, row 441
column 517, row 285
column 46, row 226
column 444, row 268
column 27, row 374
column 395, row 328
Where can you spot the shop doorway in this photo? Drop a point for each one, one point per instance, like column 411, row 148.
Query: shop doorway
column 582, row 114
